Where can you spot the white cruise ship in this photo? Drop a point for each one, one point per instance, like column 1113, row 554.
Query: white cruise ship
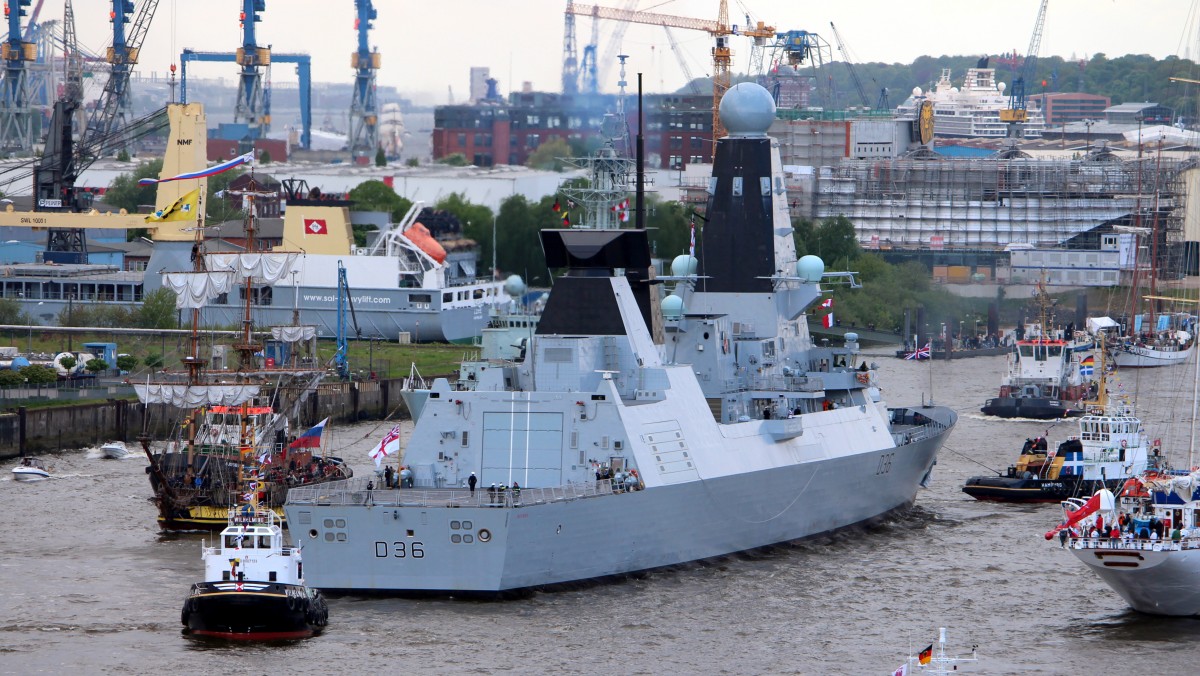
column 973, row 110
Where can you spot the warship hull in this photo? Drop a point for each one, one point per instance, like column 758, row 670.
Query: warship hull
column 402, row 541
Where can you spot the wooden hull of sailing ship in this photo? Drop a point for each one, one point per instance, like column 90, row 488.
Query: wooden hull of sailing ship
column 184, row 505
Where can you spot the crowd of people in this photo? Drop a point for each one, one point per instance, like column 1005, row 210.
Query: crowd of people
column 1131, row 527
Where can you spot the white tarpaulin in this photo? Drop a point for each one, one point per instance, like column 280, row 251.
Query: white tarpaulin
column 265, row 268
column 1097, row 324
column 182, row 395
column 195, row 289
column 293, row 334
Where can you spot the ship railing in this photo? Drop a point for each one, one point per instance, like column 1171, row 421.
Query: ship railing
column 907, row 434
column 1136, row 544
column 355, row 491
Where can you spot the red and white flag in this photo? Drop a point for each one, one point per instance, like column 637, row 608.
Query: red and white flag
column 827, row 303
column 316, row 226
column 827, row 321
column 902, row 671
column 388, row 445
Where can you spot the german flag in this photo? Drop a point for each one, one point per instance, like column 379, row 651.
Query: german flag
column 926, row 655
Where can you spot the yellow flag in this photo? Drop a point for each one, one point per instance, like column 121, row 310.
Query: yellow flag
column 183, row 209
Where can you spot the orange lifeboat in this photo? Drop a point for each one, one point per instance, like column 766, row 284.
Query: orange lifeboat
column 419, row 235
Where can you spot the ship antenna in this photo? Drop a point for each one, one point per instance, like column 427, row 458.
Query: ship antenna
column 640, row 189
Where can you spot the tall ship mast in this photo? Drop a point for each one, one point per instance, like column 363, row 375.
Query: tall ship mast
column 231, row 421
column 613, row 448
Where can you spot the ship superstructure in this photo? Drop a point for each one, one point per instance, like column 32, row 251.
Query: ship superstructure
column 632, row 436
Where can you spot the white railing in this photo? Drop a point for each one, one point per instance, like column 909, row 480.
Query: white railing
column 355, row 492
column 1134, row 544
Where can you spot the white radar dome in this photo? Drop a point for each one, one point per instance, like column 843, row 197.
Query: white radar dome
column 1001, row 86
column 514, row 285
column 683, row 265
column 917, row 91
column 810, row 268
column 672, row 307
column 747, row 109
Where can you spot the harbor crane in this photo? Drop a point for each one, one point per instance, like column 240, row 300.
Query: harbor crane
column 253, row 103
column 114, row 110
column 364, row 109
column 720, row 30
column 16, row 114
column 1016, row 114
column 858, row 85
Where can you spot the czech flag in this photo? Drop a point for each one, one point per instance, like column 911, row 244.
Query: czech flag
column 1087, row 366
column 311, row 438
column 926, row 655
column 827, row 321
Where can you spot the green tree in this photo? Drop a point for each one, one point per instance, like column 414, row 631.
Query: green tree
column 380, row 157
column 68, row 363
column 125, row 193
column 123, row 155
column 412, row 162
column 548, row 155
column 264, row 157
column 376, row 195
column 9, row 378
column 519, row 247
column 669, row 224
column 96, row 365
column 127, row 362
column 38, row 375
column 157, row 311
column 11, row 312
column 476, row 221
column 153, row 361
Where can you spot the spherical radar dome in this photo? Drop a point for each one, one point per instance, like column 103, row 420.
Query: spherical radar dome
column 747, row 109
column 810, row 268
column 683, row 265
column 672, row 307
column 514, row 285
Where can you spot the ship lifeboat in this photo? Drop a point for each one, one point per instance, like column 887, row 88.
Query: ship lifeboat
column 418, row 234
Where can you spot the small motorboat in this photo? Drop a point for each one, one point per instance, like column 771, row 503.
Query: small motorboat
column 114, row 450
column 30, row 469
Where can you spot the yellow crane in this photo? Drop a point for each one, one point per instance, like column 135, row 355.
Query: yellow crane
column 720, row 30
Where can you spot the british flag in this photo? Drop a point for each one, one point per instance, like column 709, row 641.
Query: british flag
column 921, row 352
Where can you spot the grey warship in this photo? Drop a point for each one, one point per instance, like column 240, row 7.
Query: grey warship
column 636, row 434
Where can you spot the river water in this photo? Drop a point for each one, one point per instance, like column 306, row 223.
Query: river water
column 89, row 585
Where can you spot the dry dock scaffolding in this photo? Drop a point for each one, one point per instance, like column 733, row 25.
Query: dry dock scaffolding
column 988, row 204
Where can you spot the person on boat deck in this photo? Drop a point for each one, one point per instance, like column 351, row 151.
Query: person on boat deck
column 471, row 481
column 1062, row 537
column 1115, row 534
column 1176, row 535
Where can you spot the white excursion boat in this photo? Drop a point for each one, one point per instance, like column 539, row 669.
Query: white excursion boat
column 1154, row 564
column 253, row 586
column 934, row 660
column 30, row 469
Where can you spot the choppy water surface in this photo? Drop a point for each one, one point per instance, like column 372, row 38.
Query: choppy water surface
column 88, row 584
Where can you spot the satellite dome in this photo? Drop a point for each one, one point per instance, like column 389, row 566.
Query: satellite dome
column 851, row 337
column 683, row 265
column 1001, row 86
column 672, row 307
column 954, row 90
column 917, row 91
column 747, row 109
column 810, row 268
column 514, row 285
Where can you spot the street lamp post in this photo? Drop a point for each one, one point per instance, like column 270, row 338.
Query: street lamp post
column 70, row 319
column 1088, row 136
column 1139, row 117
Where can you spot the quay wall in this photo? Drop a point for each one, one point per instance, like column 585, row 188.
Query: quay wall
column 32, row 431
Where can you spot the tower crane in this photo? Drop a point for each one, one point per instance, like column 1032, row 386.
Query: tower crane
column 570, row 70
column 113, row 111
column 858, row 85
column 687, row 72
column 720, row 30
column 364, row 109
column 1015, row 115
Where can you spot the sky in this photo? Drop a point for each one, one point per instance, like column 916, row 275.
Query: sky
column 428, row 46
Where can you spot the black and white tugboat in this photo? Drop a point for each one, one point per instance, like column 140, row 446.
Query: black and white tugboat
column 253, row 586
